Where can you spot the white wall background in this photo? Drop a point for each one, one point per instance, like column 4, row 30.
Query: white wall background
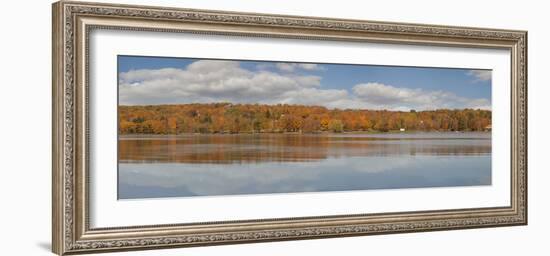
column 25, row 117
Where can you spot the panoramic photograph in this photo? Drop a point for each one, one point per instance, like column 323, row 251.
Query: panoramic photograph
column 205, row 127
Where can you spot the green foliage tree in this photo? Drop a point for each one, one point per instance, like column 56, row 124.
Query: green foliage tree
column 336, row 126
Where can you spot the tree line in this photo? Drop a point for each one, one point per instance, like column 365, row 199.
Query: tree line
column 259, row 118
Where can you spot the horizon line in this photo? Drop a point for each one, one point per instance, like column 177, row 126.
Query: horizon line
column 298, row 105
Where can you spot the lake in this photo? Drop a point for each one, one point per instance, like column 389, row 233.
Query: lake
column 238, row 164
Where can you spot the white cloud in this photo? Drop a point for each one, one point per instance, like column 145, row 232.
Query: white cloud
column 309, row 66
column 390, row 97
column 480, row 75
column 314, row 96
column 226, row 81
column 208, row 81
column 291, row 67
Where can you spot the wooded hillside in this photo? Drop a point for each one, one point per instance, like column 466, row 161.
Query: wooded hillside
column 249, row 118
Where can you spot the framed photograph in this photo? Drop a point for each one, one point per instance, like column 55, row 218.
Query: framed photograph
column 179, row 127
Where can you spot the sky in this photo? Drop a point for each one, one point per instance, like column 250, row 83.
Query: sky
column 159, row 80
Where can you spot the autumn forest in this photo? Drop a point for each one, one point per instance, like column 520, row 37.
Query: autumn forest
column 257, row 118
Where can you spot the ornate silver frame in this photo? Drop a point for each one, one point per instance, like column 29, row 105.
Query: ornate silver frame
column 72, row 22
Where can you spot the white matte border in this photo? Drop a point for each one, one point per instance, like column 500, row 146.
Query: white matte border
column 107, row 211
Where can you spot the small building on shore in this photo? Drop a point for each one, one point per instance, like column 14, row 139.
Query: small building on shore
column 488, row 128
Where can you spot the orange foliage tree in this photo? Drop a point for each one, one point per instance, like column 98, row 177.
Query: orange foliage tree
column 257, row 118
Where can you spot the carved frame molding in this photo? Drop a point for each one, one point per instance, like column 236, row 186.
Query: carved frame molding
column 72, row 23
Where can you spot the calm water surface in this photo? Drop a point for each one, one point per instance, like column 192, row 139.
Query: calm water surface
column 207, row 165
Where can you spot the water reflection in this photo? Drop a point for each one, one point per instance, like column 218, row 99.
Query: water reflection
column 333, row 174
column 255, row 148
column 208, row 165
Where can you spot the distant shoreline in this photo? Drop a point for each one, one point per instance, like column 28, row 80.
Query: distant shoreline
column 226, row 118
column 304, row 133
